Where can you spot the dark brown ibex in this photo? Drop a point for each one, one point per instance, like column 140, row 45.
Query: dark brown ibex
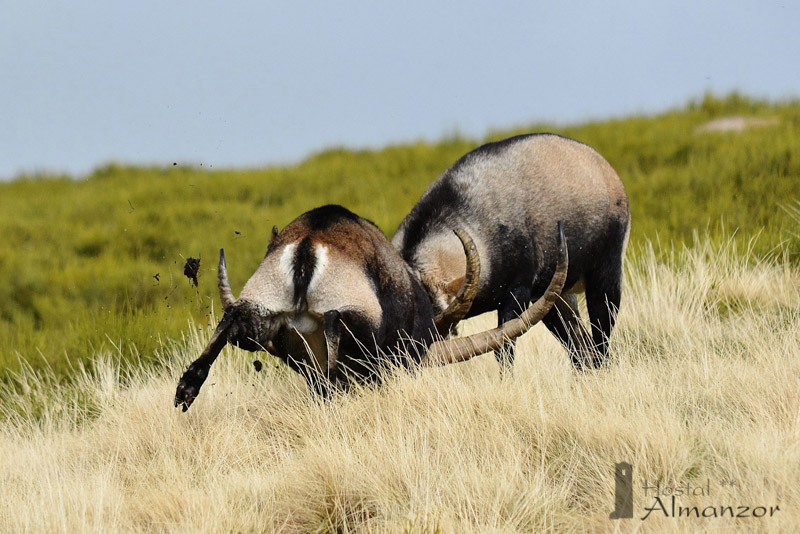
column 335, row 301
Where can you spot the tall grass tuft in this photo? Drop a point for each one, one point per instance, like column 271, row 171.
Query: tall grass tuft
column 702, row 389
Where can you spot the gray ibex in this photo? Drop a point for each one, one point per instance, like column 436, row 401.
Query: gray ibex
column 506, row 195
column 335, row 301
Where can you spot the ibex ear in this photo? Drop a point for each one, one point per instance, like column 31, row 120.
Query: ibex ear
column 272, row 237
column 452, row 287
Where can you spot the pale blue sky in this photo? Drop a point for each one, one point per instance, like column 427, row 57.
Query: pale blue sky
column 246, row 83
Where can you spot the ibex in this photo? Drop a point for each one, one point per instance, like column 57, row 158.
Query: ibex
column 507, row 195
column 335, row 301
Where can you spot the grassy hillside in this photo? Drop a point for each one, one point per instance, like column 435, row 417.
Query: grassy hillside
column 94, row 264
column 700, row 392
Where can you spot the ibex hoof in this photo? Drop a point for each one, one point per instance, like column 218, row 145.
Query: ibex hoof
column 188, row 388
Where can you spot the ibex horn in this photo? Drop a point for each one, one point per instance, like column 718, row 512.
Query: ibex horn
column 225, row 293
column 461, row 349
column 460, row 306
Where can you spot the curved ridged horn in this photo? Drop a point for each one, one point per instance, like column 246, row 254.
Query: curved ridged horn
column 225, row 293
column 461, row 349
column 468, row 290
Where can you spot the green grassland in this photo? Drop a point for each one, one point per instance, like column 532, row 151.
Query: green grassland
column 97, row 263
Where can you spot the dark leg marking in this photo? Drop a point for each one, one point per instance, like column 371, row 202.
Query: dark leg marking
column 197, row 372
column 564, row 322
column 510, row 308
column 604, row 292
column 603, row 296
column 333, row 334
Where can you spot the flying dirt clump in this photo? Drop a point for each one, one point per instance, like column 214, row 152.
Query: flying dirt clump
column 191, row 268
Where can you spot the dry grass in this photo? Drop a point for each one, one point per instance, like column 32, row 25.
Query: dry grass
column 704, row 386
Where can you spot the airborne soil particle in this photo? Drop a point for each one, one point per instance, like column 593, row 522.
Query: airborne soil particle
column 191, row 268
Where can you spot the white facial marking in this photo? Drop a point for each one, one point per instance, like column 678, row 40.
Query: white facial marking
column 304, row 324
column 321, row 255
column 286, row 262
